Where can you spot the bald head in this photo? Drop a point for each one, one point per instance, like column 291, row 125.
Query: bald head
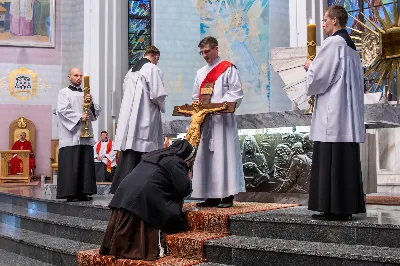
column 22, row 136
column 75, row 77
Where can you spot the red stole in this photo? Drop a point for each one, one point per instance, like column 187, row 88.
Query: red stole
column 108, row 150
column 214, row 74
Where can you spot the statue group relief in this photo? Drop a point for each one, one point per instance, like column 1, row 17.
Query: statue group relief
column 277, row 162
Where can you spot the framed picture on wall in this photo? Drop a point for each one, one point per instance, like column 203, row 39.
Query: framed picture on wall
column 27, row 23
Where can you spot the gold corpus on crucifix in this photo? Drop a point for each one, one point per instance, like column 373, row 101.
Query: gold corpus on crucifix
column 86, row 107
column 199, row 111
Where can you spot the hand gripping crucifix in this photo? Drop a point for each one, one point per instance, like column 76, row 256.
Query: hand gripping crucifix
column 199, row 111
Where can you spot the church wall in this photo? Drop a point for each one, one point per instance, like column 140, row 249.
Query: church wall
column 177, row 41
column 279, row 26
column 244, row 39
column 51, row 65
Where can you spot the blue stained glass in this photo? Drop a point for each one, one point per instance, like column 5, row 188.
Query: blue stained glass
column 135, row 56
column 138, row 42
column 139, row 26
column 368, row 13
column 352, row 23
column 139, row 8
column 377, row 3
column 349, row 5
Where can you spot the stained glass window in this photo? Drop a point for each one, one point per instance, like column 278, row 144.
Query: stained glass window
column 139, row 35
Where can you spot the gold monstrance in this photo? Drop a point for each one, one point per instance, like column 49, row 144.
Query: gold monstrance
column 312, row 52
column 86, row 107
column 380, row 49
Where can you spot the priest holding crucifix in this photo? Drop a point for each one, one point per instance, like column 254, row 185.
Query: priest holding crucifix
column 218, row 171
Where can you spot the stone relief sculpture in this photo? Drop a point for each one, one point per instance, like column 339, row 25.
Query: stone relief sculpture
column 254, row 164
column 277, row 162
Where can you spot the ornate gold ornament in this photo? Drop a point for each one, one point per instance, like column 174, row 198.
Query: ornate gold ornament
column 380, row 49
column 23, row 83
column 21, row 122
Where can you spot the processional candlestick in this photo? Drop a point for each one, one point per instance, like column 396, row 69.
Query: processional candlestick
column 86, row 107
column 312, row 52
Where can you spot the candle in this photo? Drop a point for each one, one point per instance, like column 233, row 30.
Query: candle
column 86, row 83
column 311, row 40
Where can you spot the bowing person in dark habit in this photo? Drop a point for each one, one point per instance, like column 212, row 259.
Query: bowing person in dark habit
column 148, row 203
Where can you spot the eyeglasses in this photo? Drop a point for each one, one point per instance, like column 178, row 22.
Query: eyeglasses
column 206, row 51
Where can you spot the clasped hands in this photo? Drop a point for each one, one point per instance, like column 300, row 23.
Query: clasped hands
column 100, row 158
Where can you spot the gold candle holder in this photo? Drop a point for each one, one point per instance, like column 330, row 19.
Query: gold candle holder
column 86, row 107
column 311, row 53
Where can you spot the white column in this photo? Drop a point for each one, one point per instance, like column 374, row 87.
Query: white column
column 301, row 23
column 293, row 23
column 106, row 57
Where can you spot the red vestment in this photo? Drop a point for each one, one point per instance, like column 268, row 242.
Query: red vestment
column 16, row 165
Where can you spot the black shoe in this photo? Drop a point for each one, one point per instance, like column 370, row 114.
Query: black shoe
column 340, row 217
column 327, row 216
column 209, row 203
column 226, row 202
column 85, row 198
column 321, row 216
column 72, row 199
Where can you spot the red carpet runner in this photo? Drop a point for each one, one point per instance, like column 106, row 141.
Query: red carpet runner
column 186, row 249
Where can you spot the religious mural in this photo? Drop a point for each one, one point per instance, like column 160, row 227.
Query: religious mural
column 242, row 30
column 278, row 162
column 27, row 22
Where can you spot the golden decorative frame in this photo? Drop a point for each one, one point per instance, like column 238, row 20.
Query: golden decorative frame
column 11, row 83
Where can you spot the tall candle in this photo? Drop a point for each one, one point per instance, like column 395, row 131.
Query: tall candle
column 311, row 40
column 86, row 82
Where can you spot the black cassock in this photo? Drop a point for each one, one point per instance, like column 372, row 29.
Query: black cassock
column 76, row 172
column 128, row 160
column 102, row 175
column 336, row 178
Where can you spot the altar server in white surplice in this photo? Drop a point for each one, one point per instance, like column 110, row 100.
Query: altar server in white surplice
column 139, row 128
column 336, row 77
column 76, row 179
column 218, row 171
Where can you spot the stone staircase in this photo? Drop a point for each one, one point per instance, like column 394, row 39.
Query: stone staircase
column 49, row 232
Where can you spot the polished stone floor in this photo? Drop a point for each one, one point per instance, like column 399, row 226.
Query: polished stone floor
column 376, row 214
column 38, row 192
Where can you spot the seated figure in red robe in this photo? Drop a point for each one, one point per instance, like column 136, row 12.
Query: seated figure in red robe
column 16, row 164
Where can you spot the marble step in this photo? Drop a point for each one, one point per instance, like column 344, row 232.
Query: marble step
column 96, row 209
column 244, row 250
column 41, row 247
column 212, row 264
column 378, row 229
column 74, row 228
column 12, row 259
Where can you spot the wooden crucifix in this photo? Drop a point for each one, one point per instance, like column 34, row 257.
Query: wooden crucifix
column 199, row 111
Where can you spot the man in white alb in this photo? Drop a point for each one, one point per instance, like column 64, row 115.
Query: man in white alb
column 218, row 171
column 139, row 128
